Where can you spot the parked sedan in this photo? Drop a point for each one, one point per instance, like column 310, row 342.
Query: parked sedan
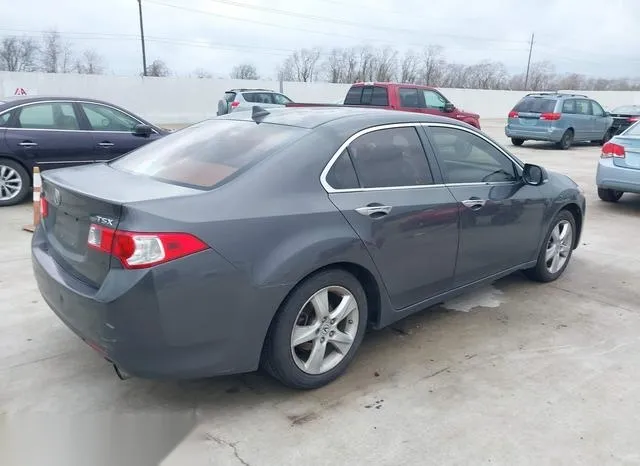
column 276, row 237
column 619, row 166
column 54, row 132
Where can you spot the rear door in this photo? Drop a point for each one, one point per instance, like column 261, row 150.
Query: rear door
column 111, row 130
column 48, row 134
column 408, row 221
column 583, row 121
column 410, row 100
column 500, row 217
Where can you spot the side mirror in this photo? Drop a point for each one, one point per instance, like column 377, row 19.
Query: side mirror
column 534, row 175
column 449, row 107
column 143, row 131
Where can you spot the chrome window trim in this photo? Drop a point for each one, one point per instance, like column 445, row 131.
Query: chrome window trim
column 331, row 190
column 73, row 130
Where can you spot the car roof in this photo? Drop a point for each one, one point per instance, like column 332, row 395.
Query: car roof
column 558, row 95
column 312, row 117
column 251, row 90
column 390, row 84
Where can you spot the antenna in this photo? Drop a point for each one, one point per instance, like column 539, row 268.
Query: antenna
column 258, row 113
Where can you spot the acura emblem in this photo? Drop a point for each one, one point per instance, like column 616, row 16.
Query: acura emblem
column 57, row 197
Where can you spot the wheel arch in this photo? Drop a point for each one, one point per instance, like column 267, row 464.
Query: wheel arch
column 575, row 210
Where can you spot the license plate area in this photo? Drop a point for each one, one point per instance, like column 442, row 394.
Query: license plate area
column 67, row 230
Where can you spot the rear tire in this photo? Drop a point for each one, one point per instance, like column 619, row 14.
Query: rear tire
column 517, row 141
column 293, row 363
column 566, row 141
column 14, row 183
column 607, row 136
column 556, row 250
column 609, row 195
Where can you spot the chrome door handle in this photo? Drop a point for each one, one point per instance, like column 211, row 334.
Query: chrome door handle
column 374, row 210
column 28, row 144
column 474, row 204
column 106, row 144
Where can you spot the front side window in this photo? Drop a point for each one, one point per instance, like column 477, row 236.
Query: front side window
column 280, row 99
column 467, row 158
column 102, row 118
column 50, row 115
column 206, row 154
column 434, row 100
column 597, row 109
column 258, row 97
column 390, row 158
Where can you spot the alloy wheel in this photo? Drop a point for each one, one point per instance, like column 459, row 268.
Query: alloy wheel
column 559, row 246
column 324, row 330
column 10, row 183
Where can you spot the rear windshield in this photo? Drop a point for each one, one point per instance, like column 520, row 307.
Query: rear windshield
column 536, row 105
column 633, row 130
column 229, row 96
column 367, row 95
column 208, row 153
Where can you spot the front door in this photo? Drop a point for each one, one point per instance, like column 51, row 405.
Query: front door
column 112, row 131
column 500, row 216
column 600, row 121
column 384, row 186
column 48, row 134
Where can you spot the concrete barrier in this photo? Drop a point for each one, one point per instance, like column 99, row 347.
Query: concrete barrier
column 187, row 100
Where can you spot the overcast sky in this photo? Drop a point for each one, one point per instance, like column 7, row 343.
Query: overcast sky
column 594, row 37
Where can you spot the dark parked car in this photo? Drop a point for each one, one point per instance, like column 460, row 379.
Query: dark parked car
column 276, row 237
column 624, row 116
column 54, row 132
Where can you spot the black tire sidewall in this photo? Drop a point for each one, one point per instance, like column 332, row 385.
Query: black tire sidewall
column 26, row 182
column 540, row 272
column 517, row 141
column 278, row 359
column 609, row 195
column 567, row 140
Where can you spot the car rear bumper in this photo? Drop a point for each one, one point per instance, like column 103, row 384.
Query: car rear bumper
column 186, row 319
column 550, row 134
column 609, row 176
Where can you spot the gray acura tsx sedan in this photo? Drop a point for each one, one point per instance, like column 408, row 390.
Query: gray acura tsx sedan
column 275, row 238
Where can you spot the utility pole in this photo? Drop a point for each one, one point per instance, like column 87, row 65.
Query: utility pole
column 144, row 53
column 526, row 79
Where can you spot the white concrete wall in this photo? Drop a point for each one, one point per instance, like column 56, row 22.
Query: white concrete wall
column 187, row 100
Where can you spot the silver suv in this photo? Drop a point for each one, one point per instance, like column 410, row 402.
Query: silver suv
column 245, row 99
column 560, row 118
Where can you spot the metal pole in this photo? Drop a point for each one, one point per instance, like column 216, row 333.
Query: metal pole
column 144, row 53
column 526, row 79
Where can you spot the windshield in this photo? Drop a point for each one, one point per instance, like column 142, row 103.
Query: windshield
column 208, row 153
column 536, row 105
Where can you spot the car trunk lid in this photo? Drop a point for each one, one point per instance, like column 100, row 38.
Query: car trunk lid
column 81, row 196
column 631, row 146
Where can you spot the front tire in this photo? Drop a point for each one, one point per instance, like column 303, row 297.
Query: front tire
column 317, row 331
column 557, row 249
column 14, row 183
column 517, row 141
column 609, row 195
column 566, row 141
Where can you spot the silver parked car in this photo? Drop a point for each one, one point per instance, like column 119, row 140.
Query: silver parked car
column 245, row 99
column 619, row 167
column 559, row 118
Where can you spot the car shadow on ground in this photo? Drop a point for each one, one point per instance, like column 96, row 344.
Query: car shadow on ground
column 550, row 146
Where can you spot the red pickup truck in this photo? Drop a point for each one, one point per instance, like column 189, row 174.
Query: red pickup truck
column 406, row 97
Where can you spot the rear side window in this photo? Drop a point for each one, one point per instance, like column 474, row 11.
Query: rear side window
column 258, row 97
column 535, row 105
column 353, row 96
column 4, row 119
column 583, row 107
column 390, row 158
column 569, row 106
column 208, row 153
column 409, row 97
column 342, row 174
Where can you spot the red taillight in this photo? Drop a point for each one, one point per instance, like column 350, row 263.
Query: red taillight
column 550, row 116
column 514, row 114
column 141, row 250
column 611, row 149
column 44, row 207
column 633, row 119
column 234, row 104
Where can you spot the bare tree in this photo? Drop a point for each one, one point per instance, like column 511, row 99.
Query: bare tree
column 18, row 54
column 301, row 66
column 201, row 73
column 410, row 67
column 66, row 58
column 158, row 68
column 51, row 51
column 487, row 75
column 90, row 63
column 386, row 64
column 244, row 71
column 541, row 76
column 432, row 65
column 335, row 66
